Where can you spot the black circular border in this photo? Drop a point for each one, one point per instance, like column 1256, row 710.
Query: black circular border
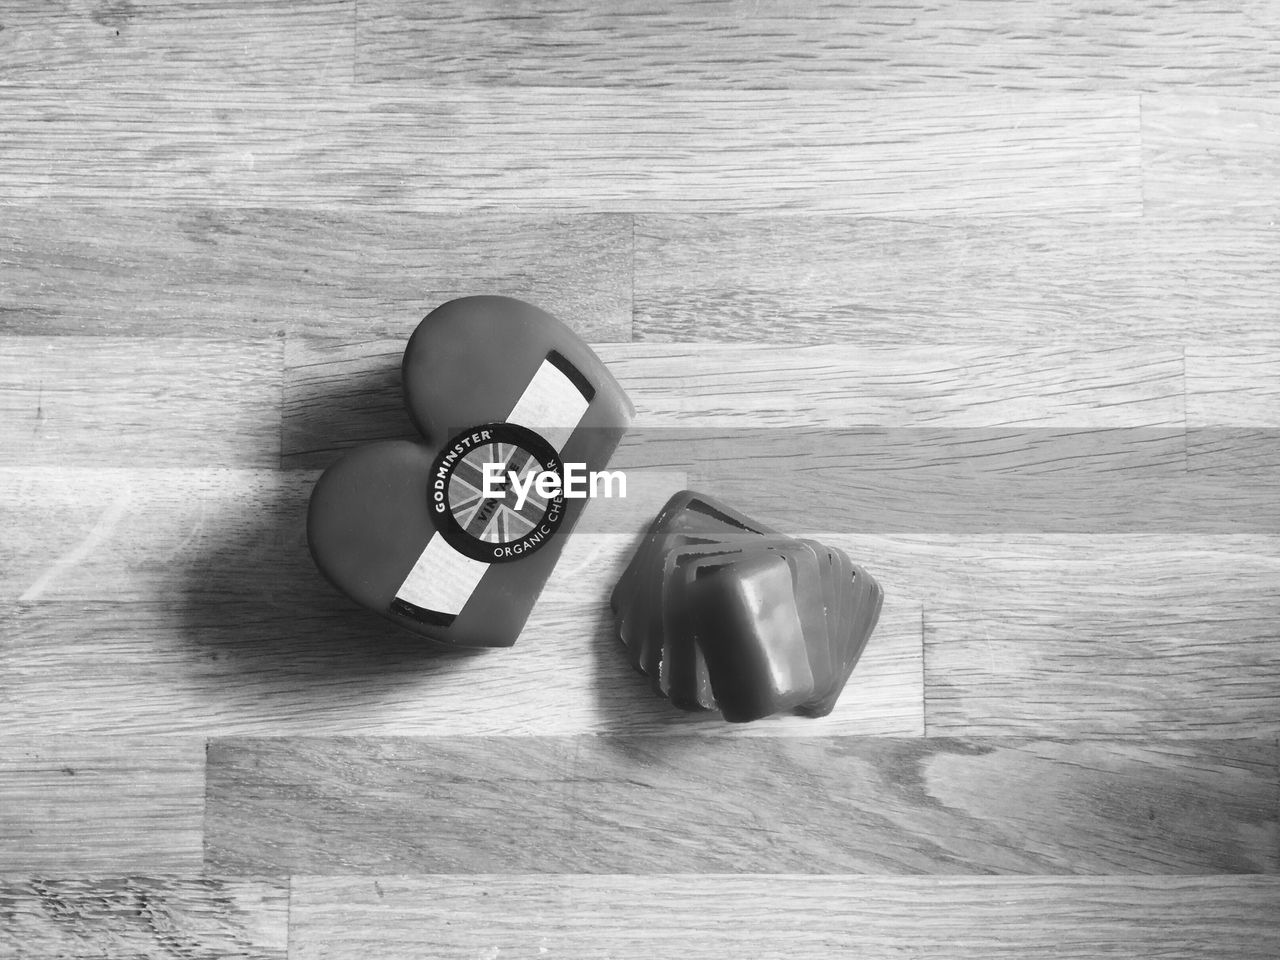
column 447, row 524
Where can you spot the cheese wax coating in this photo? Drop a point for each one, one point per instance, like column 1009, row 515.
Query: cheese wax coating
column 724, row 613
column 497, row 387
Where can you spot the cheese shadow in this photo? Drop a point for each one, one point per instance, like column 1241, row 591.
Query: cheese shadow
column 271, row 635
column 626, row 701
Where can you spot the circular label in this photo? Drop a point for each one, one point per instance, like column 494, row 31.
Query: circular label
column 525, row 479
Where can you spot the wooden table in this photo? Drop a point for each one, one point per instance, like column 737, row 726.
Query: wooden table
column 987, row 294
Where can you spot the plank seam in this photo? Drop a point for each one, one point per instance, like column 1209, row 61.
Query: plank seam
column 924, row 672
column 632, row 311
column 355, row 41
column 288, row 915
column 284, row 374
column 1142, row 154
column 1186, row 426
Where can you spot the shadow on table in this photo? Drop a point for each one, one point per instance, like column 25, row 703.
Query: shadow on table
column 266, row 623
column 626, row 700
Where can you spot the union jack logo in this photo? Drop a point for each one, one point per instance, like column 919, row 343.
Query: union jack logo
column 495, row 519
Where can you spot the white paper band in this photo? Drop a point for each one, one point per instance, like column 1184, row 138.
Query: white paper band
column 442, row 579
column 550, row 405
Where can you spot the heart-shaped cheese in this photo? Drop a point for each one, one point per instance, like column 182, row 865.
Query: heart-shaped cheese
column 402, row 527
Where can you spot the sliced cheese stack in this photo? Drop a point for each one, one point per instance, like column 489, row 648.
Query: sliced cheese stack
column 723, row 613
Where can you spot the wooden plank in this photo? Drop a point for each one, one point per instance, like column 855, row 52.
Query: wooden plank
column 136, row 535
column 235, row 272
column 1027, row 572
column 813, row 805
column 915, row 46
column 849, row 503
column 1021, row 382
column 215, row 619
column 1147, row 636
column 1233, row 407
column 220, row 534
column 1235, row 453
column 96, row 401
column 1066, row 439
column 1233, row 383
column 200, row 610
column 339, row 393
column 319, row 666
column 954, row 280
column 1013, row 481
column 968, row 497
column 104, row 804
column 1211, row 155
column 203, row 918
column 789, row 409
column 577, row 150
column 930, row 918
column 167, row 41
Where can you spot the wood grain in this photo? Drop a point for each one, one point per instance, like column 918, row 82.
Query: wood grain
column 1032, row 253
column 341, row 392
column 1067, row 438
column 1126, row 636
column 960, row 502
column 216, row 619
column 146, row 535
column 204, row 918
column 1010, row 383
column 1233, row 407
column 99, row 802
column 946, row 281
column 1211, row 155
column 167, row 41
column 573, row 150
column 920, row 45
column 930, row 918
column 201, row 610
column 1233, row 384
column 1080, row 438
column 237, row 272
column 94, row 401
column 1098, row 636
column 1110, row 569
column 1016, row 481
column 988, row 418
column 814, row 805
column 318, row 665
